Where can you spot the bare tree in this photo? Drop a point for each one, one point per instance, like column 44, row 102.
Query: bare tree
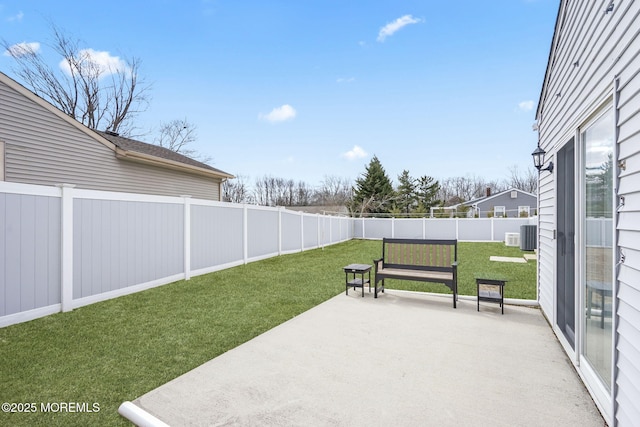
column 334, row 191
column 464, row 188
column 272, row 191
column 525, row 181
column 236, row 191
column 97, row 94
column 176, row 135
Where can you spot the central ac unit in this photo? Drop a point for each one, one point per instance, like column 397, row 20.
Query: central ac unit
column 512, row 239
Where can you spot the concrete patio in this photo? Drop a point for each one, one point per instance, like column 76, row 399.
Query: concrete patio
column 405, row 359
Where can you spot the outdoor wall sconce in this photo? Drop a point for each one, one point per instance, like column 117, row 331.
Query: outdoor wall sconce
column 538, row 160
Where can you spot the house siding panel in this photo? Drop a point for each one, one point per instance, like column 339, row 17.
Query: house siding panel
column 41, row 148
column 593, row 49
column 546, row 246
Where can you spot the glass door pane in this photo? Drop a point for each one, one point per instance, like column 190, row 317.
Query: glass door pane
column 598, row 244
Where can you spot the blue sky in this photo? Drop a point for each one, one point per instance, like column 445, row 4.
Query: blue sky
column 304, row 89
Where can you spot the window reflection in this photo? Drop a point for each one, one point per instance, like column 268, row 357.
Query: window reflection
column 598, row 250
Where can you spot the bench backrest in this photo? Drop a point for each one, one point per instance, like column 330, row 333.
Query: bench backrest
column 419, row 254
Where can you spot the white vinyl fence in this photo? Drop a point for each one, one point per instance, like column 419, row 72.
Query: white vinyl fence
column 465, row 229
column 62, row 247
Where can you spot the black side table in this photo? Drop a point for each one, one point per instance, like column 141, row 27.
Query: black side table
column 354, row 283
column 490, row 290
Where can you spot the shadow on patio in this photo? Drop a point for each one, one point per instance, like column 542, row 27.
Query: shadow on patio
column 402, row 359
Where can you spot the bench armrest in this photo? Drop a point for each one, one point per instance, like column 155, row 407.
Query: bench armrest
column 378, row 263
column 454, row 264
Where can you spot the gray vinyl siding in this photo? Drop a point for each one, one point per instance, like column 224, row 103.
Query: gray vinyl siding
column 511, row 205
column 42, row 148
column 628, row 338
column 29, row 252
column 594, row 49
column 546, row 245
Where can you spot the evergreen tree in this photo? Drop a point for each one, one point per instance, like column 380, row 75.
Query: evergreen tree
column 427, row 192
column 373, row 192
column 406, row 197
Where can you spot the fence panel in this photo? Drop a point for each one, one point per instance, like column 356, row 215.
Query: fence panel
column 478, row 229
column 408, row 228
column 262, row 232
column 30, row 252
column 291, row 233
column 117, row 244
column 441, row 228
column 377, row 228
column 216, row 236
column 311, row 225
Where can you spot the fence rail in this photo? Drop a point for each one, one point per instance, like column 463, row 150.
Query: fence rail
column 63, row 248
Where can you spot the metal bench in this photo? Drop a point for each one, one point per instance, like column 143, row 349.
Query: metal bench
column 420, row 260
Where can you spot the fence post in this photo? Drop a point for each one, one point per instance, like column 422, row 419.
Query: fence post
column 393, row 227
column 424, row 227
column 280, row 230
column 363, row 236
column 301, row 231
column 66, row 242
column 245, row 229
column 187, row 237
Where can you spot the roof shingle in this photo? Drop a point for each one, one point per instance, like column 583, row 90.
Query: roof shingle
column 129, row 144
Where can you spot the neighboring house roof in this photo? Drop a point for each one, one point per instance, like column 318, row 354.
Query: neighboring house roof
column 493, row 196
column 128, row 145
column 125, row 147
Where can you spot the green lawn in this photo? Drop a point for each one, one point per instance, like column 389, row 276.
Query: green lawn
column 117, row 350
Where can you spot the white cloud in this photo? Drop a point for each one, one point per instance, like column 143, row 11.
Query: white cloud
column 279, row 114
column 16, row 18
column 22, row 49
column 346, row 80
column 396, row 25
column 526, row 105
column 355, row 153
column 105, row 63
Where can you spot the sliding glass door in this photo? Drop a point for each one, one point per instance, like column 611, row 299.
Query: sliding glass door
column 597, row 244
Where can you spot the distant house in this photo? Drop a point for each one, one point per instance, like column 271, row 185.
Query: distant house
column 39, row 144
column 588, row 122
column 512, row 203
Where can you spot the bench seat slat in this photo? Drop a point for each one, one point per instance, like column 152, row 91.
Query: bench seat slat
column 418, row 274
